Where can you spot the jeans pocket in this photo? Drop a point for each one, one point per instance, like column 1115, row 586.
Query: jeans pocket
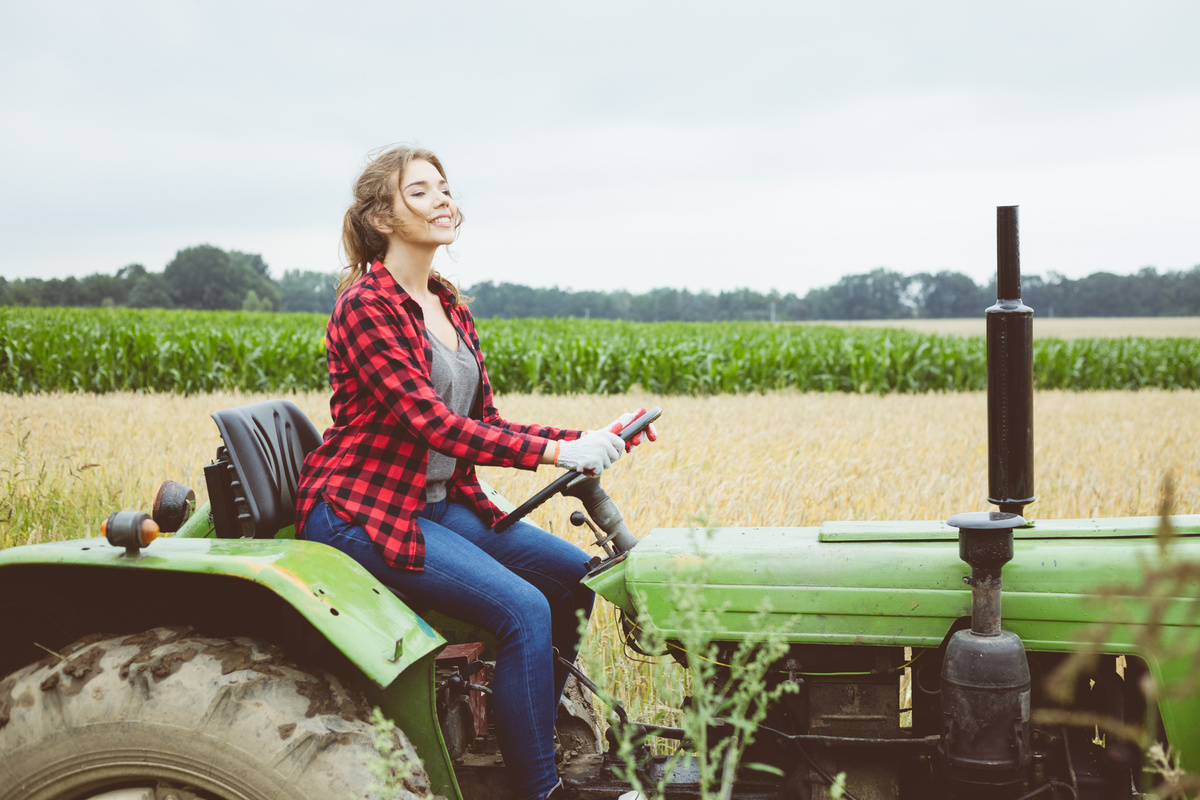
column 327, row 527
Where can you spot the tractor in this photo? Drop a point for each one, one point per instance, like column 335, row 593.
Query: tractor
column 231, row 661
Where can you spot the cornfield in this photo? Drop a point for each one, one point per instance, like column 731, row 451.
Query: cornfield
column 196, row 352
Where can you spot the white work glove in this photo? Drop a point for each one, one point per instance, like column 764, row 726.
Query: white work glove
column 591, row 453
column 618, row 425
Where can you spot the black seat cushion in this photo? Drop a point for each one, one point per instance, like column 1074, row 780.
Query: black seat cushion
column 267, row 443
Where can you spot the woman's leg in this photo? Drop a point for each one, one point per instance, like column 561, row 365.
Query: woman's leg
column 464, row 582
column 551, row 564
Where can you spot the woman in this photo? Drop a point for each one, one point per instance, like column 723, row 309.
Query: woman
column 393, row 484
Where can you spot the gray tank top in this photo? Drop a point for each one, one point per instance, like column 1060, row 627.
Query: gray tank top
column 455, row 376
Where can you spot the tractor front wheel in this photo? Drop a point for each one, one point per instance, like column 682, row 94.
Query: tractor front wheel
column 168, row 713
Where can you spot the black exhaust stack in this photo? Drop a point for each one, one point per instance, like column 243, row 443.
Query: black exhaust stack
column 1009, row 376
column 985, row 752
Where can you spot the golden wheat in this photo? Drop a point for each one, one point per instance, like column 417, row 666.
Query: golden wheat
column 1047, row 327
column 781, row 459
column 777, row 459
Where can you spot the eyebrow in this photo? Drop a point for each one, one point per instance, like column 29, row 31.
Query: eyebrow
column 424, row 183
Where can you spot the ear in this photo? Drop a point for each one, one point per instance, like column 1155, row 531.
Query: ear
column 379, row 223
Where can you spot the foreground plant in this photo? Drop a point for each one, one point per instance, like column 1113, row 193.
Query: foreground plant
column 724, row 691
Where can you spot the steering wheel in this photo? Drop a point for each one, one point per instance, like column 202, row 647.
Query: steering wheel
column 560, row 483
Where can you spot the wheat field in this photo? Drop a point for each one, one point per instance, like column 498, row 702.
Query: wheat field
column 66, row 460
column 1047, row 327
column 783, row 459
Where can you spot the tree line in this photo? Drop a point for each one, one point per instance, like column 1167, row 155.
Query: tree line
column 207, row 277
column 203, row 277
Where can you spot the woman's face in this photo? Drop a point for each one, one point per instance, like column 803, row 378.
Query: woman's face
column 426, row 212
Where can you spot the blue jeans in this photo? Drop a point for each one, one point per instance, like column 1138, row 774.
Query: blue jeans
column 522, row 586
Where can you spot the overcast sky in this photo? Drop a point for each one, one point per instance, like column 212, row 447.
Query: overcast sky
column 604, row 145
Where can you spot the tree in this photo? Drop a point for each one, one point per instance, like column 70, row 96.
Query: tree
column 947, row 295
column 876, row 295
column 254, row 303
column 208, row 277
column 149, row 290
column 259, row 277
column 98, row 289
column 61, row 292
column 27, row 292
column 251, row 261
column 307, row 291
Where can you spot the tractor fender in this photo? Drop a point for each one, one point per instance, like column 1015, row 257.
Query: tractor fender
column 359, row 616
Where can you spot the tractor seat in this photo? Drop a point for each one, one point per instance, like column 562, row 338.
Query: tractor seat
column 252, row 484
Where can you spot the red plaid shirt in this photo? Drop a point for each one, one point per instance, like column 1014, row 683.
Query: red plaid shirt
column 386, row 417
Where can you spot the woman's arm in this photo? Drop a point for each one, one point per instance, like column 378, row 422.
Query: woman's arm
column 488, row 411
column 382, row 347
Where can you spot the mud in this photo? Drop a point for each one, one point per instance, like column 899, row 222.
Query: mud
column 86, row 641
column 146, row 643
column 170, row 663
column 75, row 673
column 235, row 656
column 148, row 640
column 73, row 667
column 323, row 699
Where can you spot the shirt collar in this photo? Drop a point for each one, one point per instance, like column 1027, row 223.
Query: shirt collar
column 389, row 284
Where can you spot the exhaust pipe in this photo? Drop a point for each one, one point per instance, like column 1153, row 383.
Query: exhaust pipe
column 985, row 746
column 1009, row 376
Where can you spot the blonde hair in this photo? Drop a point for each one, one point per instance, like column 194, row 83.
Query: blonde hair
column 374, row 202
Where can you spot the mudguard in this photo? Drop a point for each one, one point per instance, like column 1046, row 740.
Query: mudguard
column 378, row 633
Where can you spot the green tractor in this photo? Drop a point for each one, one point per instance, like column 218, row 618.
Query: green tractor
column 230, row 661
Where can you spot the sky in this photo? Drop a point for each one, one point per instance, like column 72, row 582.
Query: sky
column 609, row 145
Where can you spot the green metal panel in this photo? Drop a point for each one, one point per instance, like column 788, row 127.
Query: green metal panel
column 366, row 622
column 907, row 530
column 410, row 704
column 903, row 588
column 901, row 584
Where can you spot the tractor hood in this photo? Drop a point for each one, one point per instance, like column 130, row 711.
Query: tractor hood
column 887, row 583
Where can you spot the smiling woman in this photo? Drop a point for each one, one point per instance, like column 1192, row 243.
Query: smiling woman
column 394, row 485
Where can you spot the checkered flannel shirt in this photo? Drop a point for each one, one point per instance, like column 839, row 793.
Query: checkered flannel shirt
column 371, row 466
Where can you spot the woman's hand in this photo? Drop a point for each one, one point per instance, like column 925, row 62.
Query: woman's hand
column 618, row 425
column 590, row 454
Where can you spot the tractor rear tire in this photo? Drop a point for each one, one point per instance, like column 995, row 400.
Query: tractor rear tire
column 187, row 716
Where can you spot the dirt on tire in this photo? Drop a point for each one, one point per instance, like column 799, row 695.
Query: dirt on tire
column 167, row 707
